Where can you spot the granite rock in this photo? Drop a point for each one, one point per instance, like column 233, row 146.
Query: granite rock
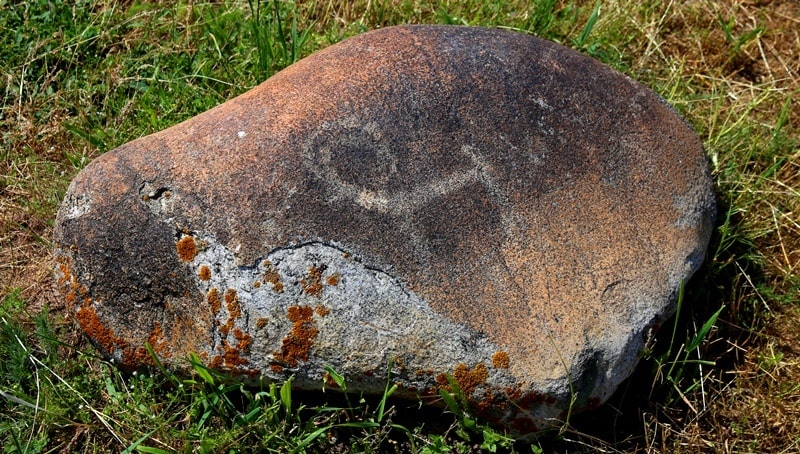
column 453, row 200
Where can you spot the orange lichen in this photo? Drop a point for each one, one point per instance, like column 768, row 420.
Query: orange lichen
column 157, row 341
column 491, row 405
column 322, row 310
column 262, row 322
column 299, row 314
column 73, row 290
column 500, row 360
column 256, row 284
column 297, row 343
column 186, row 248
column 232, row 303
column 469, row 379
column 216, row 362
column 134, row 357
column 277, row 368
column 244, row 340
column 86, row 314
column 313, row 285
column 333, row 279
column 230, row 358
column 204, row 273
column 65, row 274
column 90, row 324
column 214, row 300
column 272, row 276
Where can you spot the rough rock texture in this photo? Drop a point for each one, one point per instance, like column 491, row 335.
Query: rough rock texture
column 459, row 201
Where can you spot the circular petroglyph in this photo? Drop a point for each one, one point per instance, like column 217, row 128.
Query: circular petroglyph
column 353, row 161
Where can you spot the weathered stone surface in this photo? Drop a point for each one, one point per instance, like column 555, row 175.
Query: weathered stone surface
column 459, row 201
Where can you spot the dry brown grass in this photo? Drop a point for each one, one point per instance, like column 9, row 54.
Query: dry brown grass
column 742, row 77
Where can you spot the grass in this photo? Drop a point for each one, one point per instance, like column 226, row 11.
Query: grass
column 84, row 77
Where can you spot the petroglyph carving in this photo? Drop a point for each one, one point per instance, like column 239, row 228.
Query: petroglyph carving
column 353, row 162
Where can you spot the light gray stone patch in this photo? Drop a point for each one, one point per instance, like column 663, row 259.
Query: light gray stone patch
column 76, row 206
column 363, row 316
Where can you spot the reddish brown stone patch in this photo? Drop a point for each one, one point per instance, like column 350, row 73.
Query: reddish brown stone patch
column 230, row 358
column 157, row 341
column 534, row 399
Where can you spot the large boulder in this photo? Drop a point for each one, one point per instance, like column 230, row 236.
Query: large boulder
column 461, row 201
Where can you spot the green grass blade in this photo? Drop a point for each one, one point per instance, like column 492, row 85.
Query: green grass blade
column 151, row 450
column 310, row 437
column 286, row 395
column 704, row 330
column 451, row 403
column 207, row 374
column 135, row 445
column 387, row 391
column 590, row 23
column 337, row 378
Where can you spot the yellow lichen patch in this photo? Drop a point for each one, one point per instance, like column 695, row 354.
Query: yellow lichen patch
column 500, row 360
column 204, row 273
column 297, row 343
column 186, row 248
